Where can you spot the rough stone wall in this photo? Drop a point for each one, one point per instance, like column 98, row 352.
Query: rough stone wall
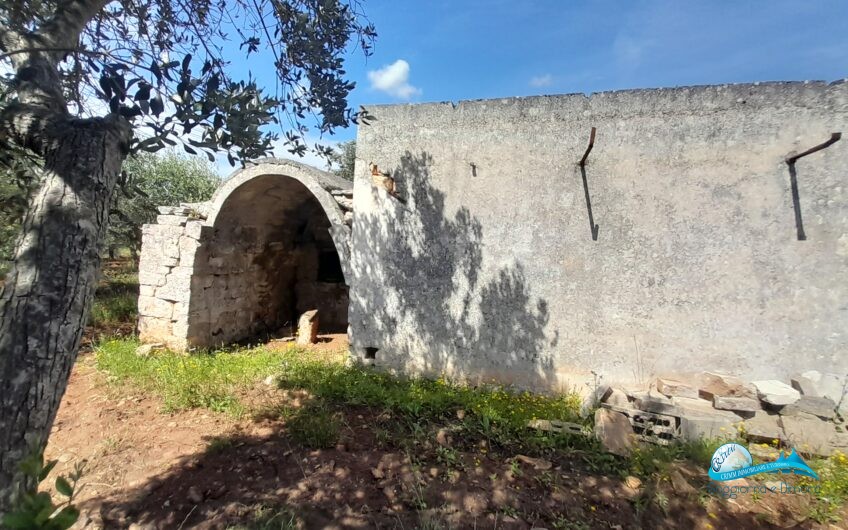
column 245, row 264
column 486, row 265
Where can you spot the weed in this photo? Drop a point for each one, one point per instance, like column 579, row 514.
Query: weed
column 448, row 457
column 515, row 469
column 35, row 510
column 314, row 427
column 833, row 492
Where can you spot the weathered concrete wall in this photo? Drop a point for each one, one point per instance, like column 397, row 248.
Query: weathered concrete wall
column 246, row 264
column 487, row 265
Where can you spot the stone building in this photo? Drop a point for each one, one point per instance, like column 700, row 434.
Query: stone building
column 684, row 242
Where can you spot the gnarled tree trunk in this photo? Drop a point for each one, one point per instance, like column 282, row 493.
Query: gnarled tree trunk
column 44, row 304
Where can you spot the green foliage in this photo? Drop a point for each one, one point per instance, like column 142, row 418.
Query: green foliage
column 167, row 68
column 314, row 427
column 35, row 510
column 833, row 480
column 344, row 158
column 205, row 380
column 156, row 180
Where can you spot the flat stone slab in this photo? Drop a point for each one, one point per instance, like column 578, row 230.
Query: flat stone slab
column 742, row 404
column 822, row 407
column 653, row 401
column 674, row 388
column 617, row 398
column 809, row 434
column 776, row 392
column 763, row 427
column 711, row 384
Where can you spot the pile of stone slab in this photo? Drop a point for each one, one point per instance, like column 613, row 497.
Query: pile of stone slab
column 806, row 415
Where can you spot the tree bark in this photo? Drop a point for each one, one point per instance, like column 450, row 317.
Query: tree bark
column 45, row 302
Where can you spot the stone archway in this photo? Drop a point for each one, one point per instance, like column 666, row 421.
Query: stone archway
column 270, row 244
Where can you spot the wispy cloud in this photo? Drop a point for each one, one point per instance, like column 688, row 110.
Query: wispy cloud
column 394, row 80
column 540, row 81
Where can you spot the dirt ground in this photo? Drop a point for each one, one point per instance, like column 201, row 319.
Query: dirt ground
column 199, row 469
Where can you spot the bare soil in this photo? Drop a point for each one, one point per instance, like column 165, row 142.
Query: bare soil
column 199, row 469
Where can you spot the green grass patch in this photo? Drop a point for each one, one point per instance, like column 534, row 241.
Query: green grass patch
column 207, row 380
column 314, row 427
column 116, row 299
column 833, row 476
column 421, row 399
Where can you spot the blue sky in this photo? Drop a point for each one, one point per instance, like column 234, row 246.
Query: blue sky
column 470, row 49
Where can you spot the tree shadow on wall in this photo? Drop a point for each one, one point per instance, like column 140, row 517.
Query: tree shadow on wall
column 431, row 299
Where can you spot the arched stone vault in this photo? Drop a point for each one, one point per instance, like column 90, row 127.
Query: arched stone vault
column 272, row 242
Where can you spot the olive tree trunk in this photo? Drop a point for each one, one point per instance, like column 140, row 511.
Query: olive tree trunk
column 45, row 302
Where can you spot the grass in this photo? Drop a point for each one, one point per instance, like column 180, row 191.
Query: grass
column 833, row 475
column 116, row 299
column 209, row 380
column 314, row 427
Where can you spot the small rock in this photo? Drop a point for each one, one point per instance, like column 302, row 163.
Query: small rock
column 822, row 407
column 633, row 482
column 776, row 392
column 194, row 495
column 614, row 431
column 341, row 447
column 434, row 472
column 675, row 388
column 539, row 464
column 378, row 473
column 460, row 414
column 443, row 438
column 617, row 398
column 743, row 404
column 307, row 328
column 270, row 380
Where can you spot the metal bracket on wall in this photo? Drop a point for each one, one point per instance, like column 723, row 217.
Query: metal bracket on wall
column 793, row 180
column 592, row 226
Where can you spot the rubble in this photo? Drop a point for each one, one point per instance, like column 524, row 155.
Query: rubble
column 720, row 406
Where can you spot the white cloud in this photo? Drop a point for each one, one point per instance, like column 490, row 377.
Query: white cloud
column 394, row 80
column 541, row 80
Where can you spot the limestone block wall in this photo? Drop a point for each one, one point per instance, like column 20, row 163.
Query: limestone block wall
column 165, row 271
column 675, row 250
column 246, row 264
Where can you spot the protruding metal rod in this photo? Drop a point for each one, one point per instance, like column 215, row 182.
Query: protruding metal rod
column 793, row 182
column 791, row 160
column 588, row 149
column 594, row 228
